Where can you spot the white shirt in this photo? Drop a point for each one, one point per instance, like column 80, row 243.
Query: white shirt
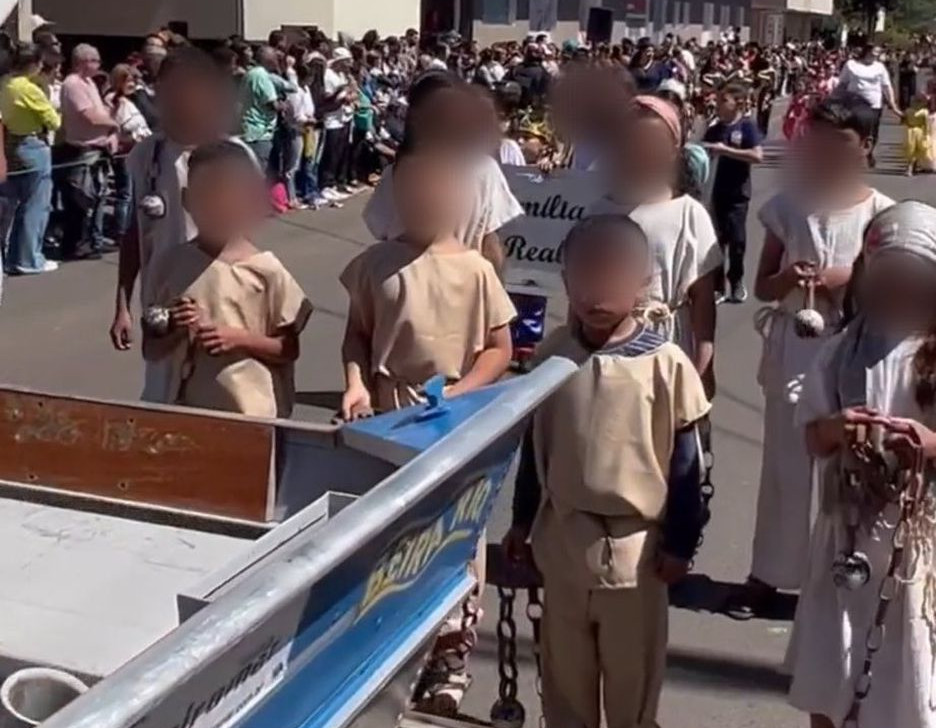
column 493, row 206
column 688, row 60
column 866, row 80
column 131, row 122
column 301, row 108
column 333, row 83
column 683, row 247
column 511, row 155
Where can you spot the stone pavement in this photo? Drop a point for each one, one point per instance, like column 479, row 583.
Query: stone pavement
column 53, row 336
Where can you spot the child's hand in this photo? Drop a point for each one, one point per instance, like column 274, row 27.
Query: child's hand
column 840, row 427
column 799, row 273
column 184, row 314
column 514, row 543
column 356, row 404
column 905, row 435
column 670, row 569
column 218, row 340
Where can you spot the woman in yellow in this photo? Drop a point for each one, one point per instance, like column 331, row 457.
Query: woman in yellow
column 918, row 150
column 28, row 116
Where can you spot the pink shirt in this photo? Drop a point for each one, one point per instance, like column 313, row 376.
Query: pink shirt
column 78, row 95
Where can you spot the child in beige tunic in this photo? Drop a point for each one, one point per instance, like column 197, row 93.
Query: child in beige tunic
column 235, row 312
column 608, row 488
column 422, row 304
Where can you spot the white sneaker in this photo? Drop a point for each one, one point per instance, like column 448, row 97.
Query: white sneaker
column 331, row 194
column 49, row 266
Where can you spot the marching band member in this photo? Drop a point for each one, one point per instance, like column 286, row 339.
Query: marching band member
column 814, row 231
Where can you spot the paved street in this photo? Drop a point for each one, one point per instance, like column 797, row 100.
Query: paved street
column 53, row 336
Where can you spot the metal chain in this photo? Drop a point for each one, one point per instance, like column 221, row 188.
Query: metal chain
column 507, row 645
column 886, row 594
column 910, row 483
column 507, row 712
column 469, row 620
column 707, row 487
column 534, row 613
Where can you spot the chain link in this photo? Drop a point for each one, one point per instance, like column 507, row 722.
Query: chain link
column 507, row 645
column 469, row 620
column 534, row 613
column 707, row 487
column 909, row 483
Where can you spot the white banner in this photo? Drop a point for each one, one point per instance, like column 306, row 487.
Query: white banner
column 553, row 204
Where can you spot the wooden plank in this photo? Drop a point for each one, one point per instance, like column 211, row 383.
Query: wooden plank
column 169, row 458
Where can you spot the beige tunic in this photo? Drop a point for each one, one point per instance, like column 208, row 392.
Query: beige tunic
column 426, row 314
column 257, row 294
column 603, row 444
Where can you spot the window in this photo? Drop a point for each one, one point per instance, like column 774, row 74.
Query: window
column 686, row 10
column 708, row 15
column 725, row 19
column 739, row 16
column 498, row 12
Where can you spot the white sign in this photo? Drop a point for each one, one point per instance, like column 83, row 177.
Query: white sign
column 553, row 203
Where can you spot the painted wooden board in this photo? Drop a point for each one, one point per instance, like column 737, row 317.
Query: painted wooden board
column 170, row 458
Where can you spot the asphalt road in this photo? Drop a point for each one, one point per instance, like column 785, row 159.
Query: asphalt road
column 53, row 336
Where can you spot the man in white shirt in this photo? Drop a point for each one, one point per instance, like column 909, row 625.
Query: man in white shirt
column 867, row 77
column 338, row 110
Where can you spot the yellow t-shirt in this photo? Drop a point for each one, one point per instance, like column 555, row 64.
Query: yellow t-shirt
column 426, row 313
column 25, row 108
column 257, row 294
column 603, row 444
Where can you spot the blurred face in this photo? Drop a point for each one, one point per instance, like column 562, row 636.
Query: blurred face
column 826, row 153
column 728, row 107
column 604, row 279
column 89, row 64
column 129, row 85
column 898, row 292
column 430, row 196
column 456, row 119
column 643, row 149
column 194, row 107
column 226, row 200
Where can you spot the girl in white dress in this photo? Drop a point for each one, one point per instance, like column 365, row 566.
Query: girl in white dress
column 644, row 163
column 814, row 231
column 880, row 370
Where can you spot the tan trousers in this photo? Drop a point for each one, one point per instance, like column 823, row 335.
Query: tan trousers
column 613, row 639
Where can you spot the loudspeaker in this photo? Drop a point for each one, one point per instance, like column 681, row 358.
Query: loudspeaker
column 600, row 25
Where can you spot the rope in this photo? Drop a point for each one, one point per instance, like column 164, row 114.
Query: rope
column 65, row 165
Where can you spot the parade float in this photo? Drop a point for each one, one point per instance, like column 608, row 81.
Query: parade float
column 170, row 568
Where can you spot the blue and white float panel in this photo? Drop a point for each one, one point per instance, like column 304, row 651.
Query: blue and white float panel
column 318, row 633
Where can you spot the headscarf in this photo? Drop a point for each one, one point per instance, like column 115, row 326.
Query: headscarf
column 907, row 227
column 665, row 110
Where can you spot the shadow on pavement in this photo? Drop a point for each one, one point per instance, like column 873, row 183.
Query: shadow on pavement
column 701, row 593
column 698, row 668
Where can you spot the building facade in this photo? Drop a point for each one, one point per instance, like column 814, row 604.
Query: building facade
column 214, row 19
column 700, row 19
column 776, row 21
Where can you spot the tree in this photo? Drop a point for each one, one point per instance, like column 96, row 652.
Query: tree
column 867, row 10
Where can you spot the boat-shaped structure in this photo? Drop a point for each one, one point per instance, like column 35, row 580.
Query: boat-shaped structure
column 198, row 570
